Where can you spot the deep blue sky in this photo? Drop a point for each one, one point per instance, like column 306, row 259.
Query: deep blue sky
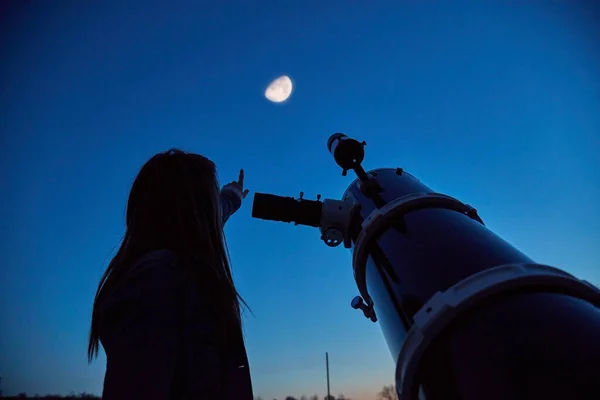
column 497, row 105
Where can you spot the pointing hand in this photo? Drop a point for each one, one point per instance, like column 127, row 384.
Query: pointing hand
column 239, row 185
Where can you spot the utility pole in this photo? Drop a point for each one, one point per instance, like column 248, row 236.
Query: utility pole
column 327, row 367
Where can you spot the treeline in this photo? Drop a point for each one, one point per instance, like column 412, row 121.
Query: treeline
column 387, row 393
column 313, row 397
column 21, row 396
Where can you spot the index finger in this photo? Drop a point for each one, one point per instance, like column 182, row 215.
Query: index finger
column 241, row 178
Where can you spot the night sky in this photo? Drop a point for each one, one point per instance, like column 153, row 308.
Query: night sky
column 495, row 103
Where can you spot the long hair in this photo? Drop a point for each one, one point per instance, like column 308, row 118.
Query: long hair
column 174, row 205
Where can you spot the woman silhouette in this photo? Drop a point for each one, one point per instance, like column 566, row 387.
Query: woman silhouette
column 166, row 311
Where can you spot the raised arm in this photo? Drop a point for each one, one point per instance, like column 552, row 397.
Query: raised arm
column 232, row 195
column 231, row 201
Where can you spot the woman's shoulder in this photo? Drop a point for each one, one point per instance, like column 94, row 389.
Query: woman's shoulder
column 162, row 258
column 156, row 272
column 161, row 274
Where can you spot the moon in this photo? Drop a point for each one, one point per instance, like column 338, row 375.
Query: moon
column 279, row 90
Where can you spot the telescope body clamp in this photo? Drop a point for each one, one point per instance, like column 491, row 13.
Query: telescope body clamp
column 443, row 307
column 336, row 220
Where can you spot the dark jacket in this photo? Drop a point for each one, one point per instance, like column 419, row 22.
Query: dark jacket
column 160, row 336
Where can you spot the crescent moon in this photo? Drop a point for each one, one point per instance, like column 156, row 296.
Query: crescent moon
column 279, row 90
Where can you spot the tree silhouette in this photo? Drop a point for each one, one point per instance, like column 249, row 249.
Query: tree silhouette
column 388, row 393
column 23, row 395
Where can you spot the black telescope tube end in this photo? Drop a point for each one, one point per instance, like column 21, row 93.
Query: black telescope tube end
column 333, row 138
column 287, row 209
column 348, row 153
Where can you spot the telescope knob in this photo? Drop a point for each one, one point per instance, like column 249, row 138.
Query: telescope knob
column 333, row 237
column 358, row 303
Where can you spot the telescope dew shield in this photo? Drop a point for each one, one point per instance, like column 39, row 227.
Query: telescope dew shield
column 287, row 209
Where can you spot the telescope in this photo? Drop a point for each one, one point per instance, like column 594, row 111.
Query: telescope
column 465, row 315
